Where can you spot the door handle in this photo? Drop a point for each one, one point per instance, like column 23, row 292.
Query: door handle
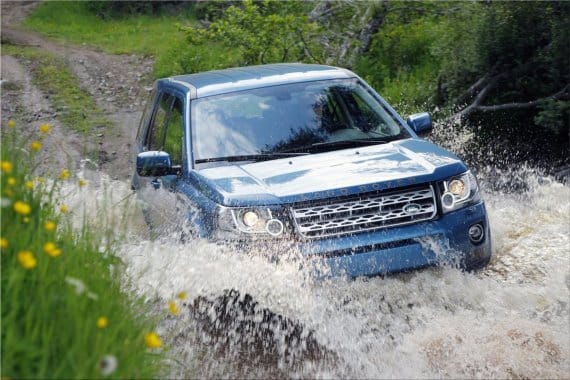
column 155, row 183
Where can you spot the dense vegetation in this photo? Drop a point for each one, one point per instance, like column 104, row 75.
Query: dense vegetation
column 501, row 68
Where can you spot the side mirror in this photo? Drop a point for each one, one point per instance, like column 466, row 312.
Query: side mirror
column 420, row 123
column 153, row 164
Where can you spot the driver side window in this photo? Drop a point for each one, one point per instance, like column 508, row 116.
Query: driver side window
column 166, row 130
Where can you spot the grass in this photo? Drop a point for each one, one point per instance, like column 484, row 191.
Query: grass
column 141, row 34
column 77, row 109
column 63, row 312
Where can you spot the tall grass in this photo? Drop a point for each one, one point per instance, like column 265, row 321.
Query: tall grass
column 63, row 312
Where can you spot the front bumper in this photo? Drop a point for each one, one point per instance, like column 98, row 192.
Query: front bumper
column 442, row 241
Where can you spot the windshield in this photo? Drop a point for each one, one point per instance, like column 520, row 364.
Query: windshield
column 300, row 117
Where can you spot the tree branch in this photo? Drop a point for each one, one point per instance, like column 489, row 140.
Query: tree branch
column 481, row 96
column 472, row 89
column 506, row 106
column 476, row 105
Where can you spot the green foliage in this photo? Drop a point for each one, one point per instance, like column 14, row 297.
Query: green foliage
column 259, row 33
column 183, row 58
column 553, row 116
column 77, row 109
column 401, row 63
column 526, row 42
column 54, row 295
column 526, row 46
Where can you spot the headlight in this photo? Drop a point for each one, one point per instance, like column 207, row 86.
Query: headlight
column 248, row 222
column 459, row 191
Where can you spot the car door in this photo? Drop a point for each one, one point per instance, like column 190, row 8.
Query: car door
column 165, row 132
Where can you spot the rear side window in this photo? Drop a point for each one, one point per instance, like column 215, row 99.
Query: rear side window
column 174, row 133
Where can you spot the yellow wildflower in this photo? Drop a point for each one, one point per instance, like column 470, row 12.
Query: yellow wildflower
column 152, row 340
column 36, row 145
column 11, row 181
column 64, row 174
column 22, row 208
column 64, row 209
column 26, row 219
column 3, row 243
column 49, row 226
column 173, row 308
column 102, row 322
column 45, row 128
column 82, row 182
column 6, row 166
column 8, row 192
column 181, row 296
column 40, row 179
column 51, row 249
column 11, row 123
column 29, row 185
column 27, row 259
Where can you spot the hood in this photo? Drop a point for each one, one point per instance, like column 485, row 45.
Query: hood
column 330, row 174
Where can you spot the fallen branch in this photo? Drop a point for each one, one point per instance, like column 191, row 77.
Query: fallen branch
column 472, row 89
column 481, row 96
column 476, row 105
column 521, row 105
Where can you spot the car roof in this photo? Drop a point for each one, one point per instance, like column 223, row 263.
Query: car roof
column 244, row 78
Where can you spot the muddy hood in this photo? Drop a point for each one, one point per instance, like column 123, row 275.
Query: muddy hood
column 325, row 175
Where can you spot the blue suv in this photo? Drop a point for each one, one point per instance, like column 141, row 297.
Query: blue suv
column 306, row 159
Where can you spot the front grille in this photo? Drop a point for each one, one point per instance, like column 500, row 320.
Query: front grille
column 364, row 213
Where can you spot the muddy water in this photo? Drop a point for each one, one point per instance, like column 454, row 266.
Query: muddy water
column 247, row 317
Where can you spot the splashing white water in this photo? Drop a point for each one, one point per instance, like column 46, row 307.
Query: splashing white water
column 510, row 320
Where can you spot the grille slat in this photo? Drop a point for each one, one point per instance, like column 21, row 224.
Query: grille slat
column 372, row 212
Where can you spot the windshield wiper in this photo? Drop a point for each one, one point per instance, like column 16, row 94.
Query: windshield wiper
column 250, row 157
column 340, row 143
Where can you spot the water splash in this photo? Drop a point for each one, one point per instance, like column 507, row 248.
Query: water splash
column 247, row 316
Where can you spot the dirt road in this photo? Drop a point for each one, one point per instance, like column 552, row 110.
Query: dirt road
column 118, row 83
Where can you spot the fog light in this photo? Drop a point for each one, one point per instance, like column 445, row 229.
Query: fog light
column 250, row 218
column 476, row 233
column 274, row 227
column 447, row 200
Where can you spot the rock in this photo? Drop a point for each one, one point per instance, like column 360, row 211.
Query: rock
column 562, row 174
